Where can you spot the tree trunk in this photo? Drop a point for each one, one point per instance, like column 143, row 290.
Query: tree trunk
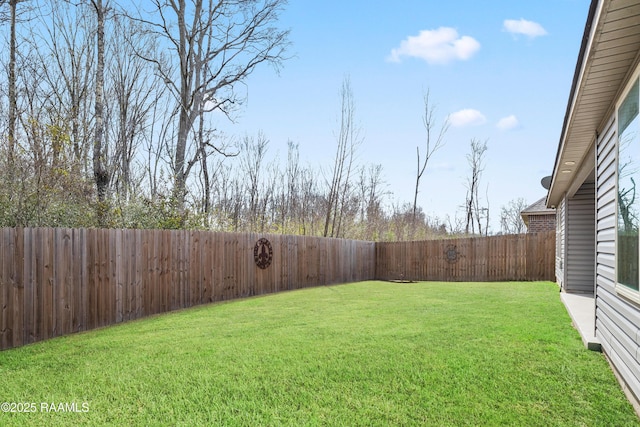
column 13, row 4
column 206, row 200
column 431, row 147
column 100, row 173
column 184, row 125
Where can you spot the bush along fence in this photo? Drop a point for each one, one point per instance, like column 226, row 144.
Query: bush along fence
column 495, row 258
column 59, row 281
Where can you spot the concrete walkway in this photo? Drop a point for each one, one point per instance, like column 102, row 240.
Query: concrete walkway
column 581, row 308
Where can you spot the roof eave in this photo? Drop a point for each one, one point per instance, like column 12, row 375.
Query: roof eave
column 557, row 191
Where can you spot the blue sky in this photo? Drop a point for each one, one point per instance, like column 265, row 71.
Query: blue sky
column 501, row 71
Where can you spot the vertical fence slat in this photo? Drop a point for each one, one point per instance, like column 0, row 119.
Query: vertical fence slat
column 79, row 273
column 18, row 288
column 27, row 282
column 112, row 283
column 136, row 272
column 49, row 280
column 116, row 253
column 6, row 291
column 167, row 242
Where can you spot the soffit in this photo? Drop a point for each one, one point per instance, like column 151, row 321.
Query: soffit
column 608, row 58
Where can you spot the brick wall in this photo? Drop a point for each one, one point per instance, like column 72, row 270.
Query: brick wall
column 541, row 223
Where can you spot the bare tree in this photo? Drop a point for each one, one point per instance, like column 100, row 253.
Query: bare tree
column 510, row 219
column 484, row 212
column 455, row 225
column 156, row 145
column 474, row 213
column 13, row 17
column 13, row 104
column 216, row 45
column 63, row 47
column 267, row 198
column 291, row 200
column 371, row 186
column 100, row 173
column 222, row 197
column 204, row 136
column 132, row 94
column 340, row 186
column 49, row 188
column 310, row 204
column 434, row 141
column 13, row 4
column 253, row 155
column 286, row 199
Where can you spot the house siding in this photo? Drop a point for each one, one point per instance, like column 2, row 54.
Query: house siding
column 616, row 318
column 580, row 240
column 560, row 240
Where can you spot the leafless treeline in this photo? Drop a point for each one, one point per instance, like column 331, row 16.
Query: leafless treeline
column 109, row 112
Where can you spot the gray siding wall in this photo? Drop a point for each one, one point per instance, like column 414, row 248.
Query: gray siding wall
column 617, row 320
column 560, row 241
column 580, row 240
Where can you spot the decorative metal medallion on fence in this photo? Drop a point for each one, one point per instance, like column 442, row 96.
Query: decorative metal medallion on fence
column 452, row 254
column 263, row 253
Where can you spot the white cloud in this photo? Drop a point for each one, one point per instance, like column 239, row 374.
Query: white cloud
column 508, row 123
column 528, row 28
column 439, row 46
column 467, row 117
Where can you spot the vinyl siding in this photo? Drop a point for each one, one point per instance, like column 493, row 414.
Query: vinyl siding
column 580, row 240
column 560, row 238
column 617, row 320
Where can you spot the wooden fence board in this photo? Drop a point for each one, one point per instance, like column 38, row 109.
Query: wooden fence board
column 27, row 283
column 6, row 305
column 178, row 293
column 110, row 274
column 18, row 288
column 63, row 262
column 148, row 272
column 39, row 284
column 130, row 247
column 165, row 269
column 137, row 267
column 49, row 306
column 116, row 252
column 79, row 291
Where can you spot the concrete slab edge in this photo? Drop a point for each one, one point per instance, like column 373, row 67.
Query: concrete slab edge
column 585, row 330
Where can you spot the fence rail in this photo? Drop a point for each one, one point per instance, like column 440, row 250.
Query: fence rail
column 59, row 281
column 494, row 258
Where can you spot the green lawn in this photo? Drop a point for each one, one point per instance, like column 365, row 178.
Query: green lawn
column 370, row 353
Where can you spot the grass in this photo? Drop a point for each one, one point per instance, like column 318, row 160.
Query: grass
column 369, row 353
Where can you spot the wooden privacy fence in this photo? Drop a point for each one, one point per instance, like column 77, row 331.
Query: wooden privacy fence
column 495, row 258
column 58, row 281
